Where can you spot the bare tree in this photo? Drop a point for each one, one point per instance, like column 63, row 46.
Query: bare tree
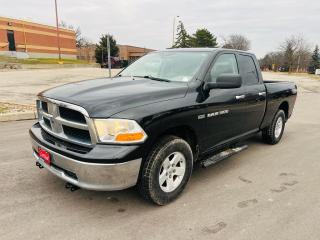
column 272, row 61
column 237, row 41
column 80, row 40
column 296, row 53
column 63, row 24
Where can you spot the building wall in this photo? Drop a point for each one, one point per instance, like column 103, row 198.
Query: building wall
column 126, row 52
column 87, row 53
column 37, row 39
column 131, row 53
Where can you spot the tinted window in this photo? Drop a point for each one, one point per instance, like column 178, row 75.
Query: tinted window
column 248, row 70
column 225, row 64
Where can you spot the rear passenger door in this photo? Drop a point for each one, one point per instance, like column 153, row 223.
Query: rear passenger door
column 254, row 92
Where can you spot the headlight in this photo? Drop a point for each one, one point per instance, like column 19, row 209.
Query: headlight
column 119, row 131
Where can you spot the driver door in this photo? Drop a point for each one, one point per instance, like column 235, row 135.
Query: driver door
column 225, row 118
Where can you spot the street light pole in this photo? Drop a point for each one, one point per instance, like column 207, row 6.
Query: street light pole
column 174, row 29
column 57, row 24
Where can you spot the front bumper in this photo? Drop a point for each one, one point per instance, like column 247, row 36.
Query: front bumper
column 89, row 175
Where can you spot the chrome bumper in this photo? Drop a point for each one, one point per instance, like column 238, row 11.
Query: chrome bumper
column 92, row 176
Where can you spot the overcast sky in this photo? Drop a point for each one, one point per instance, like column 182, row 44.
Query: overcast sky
column 148, row 23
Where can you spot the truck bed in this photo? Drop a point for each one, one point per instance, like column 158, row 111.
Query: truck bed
column 278, row 92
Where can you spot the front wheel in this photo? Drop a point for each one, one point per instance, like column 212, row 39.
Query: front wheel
column 166, row 170
column 274, row 132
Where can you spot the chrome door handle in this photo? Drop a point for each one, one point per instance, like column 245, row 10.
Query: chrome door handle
column 240, row 97
column 262, row 93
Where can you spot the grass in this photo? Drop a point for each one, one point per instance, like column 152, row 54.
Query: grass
column 3, row 109
column 6, row 107
column 312, row 76
column 40, row 60
column 51, row 61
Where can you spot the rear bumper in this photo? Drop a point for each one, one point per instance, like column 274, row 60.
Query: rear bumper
column 90, row 175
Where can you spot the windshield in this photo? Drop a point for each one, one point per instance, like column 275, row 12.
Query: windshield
column 172, row 66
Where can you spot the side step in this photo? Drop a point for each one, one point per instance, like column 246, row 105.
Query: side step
column 222, row 155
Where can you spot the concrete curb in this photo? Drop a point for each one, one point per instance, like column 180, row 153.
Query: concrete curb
column 18, row 116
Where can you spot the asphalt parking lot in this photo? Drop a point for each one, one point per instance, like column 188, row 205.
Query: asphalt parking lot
column 266, row 192
column 22, row 86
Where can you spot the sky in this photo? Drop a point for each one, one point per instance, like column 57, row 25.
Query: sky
column 149, row 23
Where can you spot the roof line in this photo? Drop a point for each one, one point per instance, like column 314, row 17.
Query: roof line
column 16, row 20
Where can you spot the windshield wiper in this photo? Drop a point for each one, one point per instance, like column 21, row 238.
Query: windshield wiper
column 154, row 78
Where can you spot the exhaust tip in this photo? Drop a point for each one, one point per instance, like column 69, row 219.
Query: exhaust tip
column 71, row 187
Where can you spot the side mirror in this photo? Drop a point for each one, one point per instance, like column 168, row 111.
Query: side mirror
column 225, row 81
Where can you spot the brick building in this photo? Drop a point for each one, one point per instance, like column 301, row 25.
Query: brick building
column 27, row 39
column 131, row 53
column 126, row 52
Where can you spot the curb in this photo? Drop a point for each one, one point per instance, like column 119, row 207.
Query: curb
column 18, row 116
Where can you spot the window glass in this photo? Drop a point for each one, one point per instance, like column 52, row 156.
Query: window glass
column 248, row 70
column 225, row 64
column 179, row 66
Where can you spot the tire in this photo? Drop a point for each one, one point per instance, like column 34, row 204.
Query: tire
column 273, row 134
column 161, row 179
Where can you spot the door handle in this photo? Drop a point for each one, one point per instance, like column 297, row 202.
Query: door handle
column 262, row 93
column 240, row 97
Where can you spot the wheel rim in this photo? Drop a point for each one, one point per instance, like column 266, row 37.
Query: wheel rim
column 172, row 172
column 278, row 128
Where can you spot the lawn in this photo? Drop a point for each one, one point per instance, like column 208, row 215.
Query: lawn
column 312, row 76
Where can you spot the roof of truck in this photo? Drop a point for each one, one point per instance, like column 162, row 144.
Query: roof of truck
column 204, row 50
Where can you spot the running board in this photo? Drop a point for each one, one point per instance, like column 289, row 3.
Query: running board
column 222, row 155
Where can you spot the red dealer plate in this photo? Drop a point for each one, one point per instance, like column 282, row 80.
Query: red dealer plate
column 45, row 156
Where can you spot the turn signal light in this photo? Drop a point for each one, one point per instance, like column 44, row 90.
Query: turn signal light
column 129, row 137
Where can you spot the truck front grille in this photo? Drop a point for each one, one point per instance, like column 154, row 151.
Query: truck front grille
column 67, row 145
column 71, row 115
column 66, row 121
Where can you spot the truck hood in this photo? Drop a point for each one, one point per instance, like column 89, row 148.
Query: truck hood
column 105, row 97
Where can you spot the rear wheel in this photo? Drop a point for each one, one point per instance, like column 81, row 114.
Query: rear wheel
column 273, row 133
column 166, row 170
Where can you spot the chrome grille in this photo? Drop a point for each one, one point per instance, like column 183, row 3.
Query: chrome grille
column 66, row 121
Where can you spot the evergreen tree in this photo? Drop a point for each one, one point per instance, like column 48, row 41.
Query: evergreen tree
column 203, row 38
column 315, row 60
column 102, row 48
column 183, row 38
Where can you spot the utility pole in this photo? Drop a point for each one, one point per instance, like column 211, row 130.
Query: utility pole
column 102, row 60
column 174, row 29
column 298, row 67
column 58, row 34
column 109, row 60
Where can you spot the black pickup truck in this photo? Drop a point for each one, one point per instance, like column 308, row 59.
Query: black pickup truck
column 152, row 122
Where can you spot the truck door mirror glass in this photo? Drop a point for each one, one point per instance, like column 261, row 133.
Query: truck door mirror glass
column 225, row 81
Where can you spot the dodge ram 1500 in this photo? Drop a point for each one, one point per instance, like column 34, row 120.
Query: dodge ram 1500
column 152, row 122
